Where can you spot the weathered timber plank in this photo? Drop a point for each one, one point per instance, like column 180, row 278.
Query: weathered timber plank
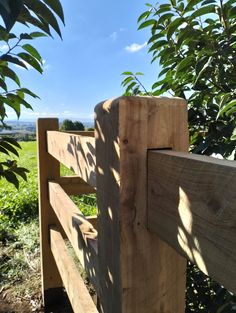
column 75, row 185
column 76, row 152
column 139, row 272
column 48, row 168
column 192, row 206
column 78, row 294
column 80, row 232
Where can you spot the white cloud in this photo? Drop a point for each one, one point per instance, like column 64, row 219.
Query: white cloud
column 113, row 36
column 4, row 47
column 45, row 65
column 135, row 47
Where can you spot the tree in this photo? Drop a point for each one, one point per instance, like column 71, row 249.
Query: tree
column 195, row 44
column 42, row 16
column 69, row 125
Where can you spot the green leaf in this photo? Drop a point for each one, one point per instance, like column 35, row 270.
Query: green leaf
column 228, row 109
column 6, row 71
column 155, row 37
column 12, row 141
column 163, row 8
column 157, row 45
column 147, row 23
column 233, row 136
column 191, row 4
column 127, row 73
column 27, row 91
column 208, row 2
column 165, row 17
column 158, row 83
column 9, row 11
column 33, row 52
column 31, row 61
column 204, row 10
column 8, row 147
column 144, row 15
column 41, row 10
column 55, row 5
column 3, row 85
column 2, row 150
column 130, row 87
column 26, row 18
column 185, row 63
column 37, row 34
column 25, row 36
column 173, row 26
column 14, row 104
column 21, row 171
column 127, row 80
column 14, row 60
column 11, row 177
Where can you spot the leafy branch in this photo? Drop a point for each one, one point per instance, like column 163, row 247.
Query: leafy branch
column 43, row 16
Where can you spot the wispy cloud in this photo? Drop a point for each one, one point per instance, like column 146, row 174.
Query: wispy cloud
column 4, row 48
column 46, row 66
column 113, row 36
column 135, row 47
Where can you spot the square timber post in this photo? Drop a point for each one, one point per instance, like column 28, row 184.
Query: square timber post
column 48, row 169
column 139, row 273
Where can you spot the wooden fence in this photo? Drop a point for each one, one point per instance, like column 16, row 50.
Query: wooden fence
column 157, row 206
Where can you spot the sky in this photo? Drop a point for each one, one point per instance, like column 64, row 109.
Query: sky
column 100, row 41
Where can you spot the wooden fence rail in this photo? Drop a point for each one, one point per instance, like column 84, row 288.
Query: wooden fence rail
column 157, row 206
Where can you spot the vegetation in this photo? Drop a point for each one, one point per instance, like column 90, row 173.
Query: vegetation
column 69, row 125
column 42, row 17
column 19, row 231
column 195, row 44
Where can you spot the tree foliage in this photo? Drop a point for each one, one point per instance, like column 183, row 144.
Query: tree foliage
column 69, row 125
column 195, row 44
column 43, row 17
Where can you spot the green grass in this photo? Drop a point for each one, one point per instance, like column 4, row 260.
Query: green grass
column 19, row 227
column 17, row 206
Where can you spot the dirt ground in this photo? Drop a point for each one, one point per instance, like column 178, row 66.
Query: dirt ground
column 8, row 304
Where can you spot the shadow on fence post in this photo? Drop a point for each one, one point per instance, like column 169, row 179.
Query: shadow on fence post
column 138, row 272
column 48, row 169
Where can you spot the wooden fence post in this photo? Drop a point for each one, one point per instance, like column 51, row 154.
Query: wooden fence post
column 48, row 169
column 139, row 273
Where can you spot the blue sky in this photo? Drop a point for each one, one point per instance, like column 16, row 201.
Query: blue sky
column 100, row 41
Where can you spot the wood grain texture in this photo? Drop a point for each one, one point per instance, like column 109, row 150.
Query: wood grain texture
column 75, row 185
column 78, row 294
column 140, row 273
column 81, row 233
column 74, row 151
column 192, row 206
column 48, row 168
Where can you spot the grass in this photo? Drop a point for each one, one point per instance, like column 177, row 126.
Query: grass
column 19, row 229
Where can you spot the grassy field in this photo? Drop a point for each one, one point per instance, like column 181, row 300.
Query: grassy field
column 19, row 233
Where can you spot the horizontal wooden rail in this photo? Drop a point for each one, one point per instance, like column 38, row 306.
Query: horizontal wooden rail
column 78, row 294
column 74, row 151
column 75, row 185
column 79, row 231
column 192, row 206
